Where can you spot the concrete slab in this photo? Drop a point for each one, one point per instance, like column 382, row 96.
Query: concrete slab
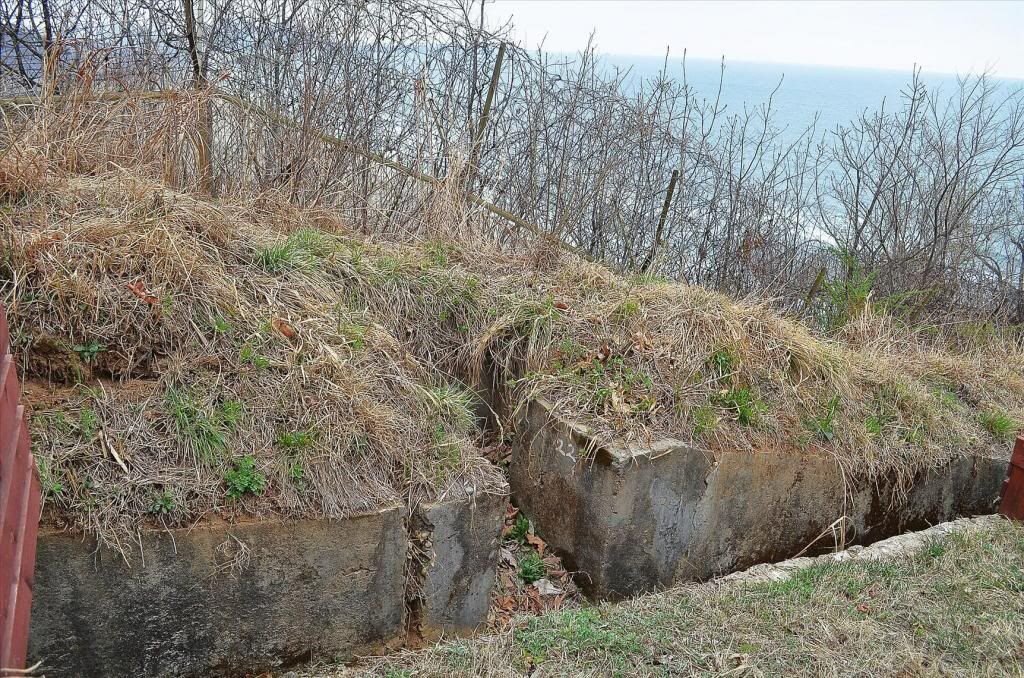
column 458, row 540
column 220, row 599
column 635, row 520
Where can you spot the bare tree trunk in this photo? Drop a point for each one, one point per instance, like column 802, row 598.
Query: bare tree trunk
column 204, row 145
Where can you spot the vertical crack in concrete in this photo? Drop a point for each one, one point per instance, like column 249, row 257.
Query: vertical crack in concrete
column 419, row 557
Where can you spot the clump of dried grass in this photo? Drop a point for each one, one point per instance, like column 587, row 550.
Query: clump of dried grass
column 638, row 359
column 182, row 360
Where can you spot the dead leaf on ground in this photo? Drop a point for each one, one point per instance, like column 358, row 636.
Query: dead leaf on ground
column 536, row 542
column 546, row 588
column 286, row 330
column 138, row 288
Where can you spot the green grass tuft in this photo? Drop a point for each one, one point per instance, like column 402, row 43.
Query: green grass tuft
column 999, row 424
column 823, row 426
column 202, row 428
column 520, row 529
column 296, row 440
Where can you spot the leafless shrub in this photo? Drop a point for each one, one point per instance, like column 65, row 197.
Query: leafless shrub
column 923, row 193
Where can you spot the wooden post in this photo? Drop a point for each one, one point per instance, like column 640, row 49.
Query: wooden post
column 815, row 287
column 19, row 514
column 1011, row 501
column 649, row 261
column 485, row 116
column 204, row 145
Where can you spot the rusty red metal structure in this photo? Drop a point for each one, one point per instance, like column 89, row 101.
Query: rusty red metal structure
column 19, row 512
column 1011, row 504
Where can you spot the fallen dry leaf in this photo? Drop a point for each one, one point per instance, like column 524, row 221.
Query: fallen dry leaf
column 506, row 557
column 536, row 542
column 546, row 588
column 138, row 288
column 286, row 330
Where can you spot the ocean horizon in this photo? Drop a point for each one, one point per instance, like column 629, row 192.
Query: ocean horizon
column 836, row 95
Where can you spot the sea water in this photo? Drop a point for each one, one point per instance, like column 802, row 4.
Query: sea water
column 823, row 95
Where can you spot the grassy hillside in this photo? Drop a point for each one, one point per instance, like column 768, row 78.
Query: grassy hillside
column 187, row 354
column 173, row 369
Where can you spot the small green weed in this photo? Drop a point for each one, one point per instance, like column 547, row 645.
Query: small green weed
column 439, row 253
column 449, row 451
column 627, row 310
column 579, row 632
column 704, row 420
column 848, row 294
column 314, row 241
column 88, row 423
column 723, row 363
column 519, row 530
column 570, row 352
column 354, row 335
column 162, row 504
column 946, row 397
column 454, row 405
column 532, row 567
column 220, row 325
column 741, row 401
column 205, row 430
column 50, row 485
column 88, row 352
column 277, row 258
column 800, row 585
column 915, row 434
column 244, row 478
column 249, row 356
column 56, row 421
column 823, row 426
column 295, row 440
column 875, row 423
column 936, row 549
column 230, row 413
column 296, row 472
column 619, row 384
column 303, row 249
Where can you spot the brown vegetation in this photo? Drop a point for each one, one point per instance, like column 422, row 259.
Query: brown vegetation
column 249, row 354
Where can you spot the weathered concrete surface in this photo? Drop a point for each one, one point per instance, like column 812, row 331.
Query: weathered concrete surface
column 633, row 521
column 308, row 589
column 461, row 554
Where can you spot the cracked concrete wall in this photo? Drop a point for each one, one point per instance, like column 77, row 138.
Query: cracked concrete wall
column 634, row 521
column 462, row 553
column 235, row 599
column 306, row 588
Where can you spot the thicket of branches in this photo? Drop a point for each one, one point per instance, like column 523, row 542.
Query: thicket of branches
column 916, row 205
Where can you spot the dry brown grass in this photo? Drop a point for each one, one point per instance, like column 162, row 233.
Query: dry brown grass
column 181, row 362
column 634, row 360
column 267, row 330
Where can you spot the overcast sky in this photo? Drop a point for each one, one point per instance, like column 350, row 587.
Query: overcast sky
column 950, row 37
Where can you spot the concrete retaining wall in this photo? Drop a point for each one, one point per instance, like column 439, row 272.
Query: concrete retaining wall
column 307, row 588
column 634, row 521
column 240, row 599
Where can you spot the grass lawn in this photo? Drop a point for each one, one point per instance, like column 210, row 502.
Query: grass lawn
column 955, row 608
